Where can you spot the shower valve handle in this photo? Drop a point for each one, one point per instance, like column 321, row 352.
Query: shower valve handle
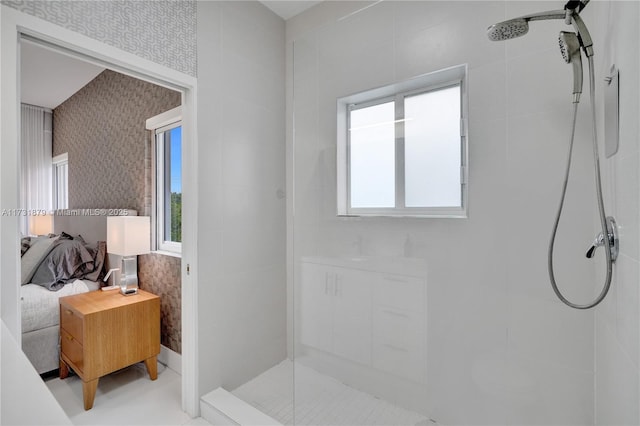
column 612, row 234
column 598, row 242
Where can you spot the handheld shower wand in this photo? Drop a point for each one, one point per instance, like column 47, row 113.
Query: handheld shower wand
column 570, row 45
column 570, row 49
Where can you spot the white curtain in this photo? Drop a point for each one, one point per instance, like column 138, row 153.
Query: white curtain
column 36, row 186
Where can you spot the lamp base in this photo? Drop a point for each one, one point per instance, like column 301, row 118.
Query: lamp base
column 128, row 292
column 129, row 277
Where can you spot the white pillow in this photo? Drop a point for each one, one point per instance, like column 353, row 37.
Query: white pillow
column 34, row 256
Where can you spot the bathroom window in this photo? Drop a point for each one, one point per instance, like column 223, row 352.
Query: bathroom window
column 402, row 148
column 167, row 205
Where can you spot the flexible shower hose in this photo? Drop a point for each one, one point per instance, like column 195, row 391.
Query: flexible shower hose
column 603, row 217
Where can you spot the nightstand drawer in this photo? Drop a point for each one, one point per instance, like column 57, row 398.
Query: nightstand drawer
column 71, row 322
column 72, row 349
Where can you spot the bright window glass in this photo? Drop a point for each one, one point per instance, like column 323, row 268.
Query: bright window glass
column 432, row 149
column 402, row 148
column 173, row 185
column 61, row 181
column 169, row 187
column 372, row 156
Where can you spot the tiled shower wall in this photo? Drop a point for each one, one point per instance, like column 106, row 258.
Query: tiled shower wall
column 102, row 128
column 241, row 173
column 617, row 360
column 502, row 349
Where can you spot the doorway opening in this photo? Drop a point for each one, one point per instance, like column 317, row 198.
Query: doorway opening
column 25, row 29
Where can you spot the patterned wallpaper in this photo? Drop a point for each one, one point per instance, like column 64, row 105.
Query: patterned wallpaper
column 102, row 128
column 161, row 275
column 162, row 31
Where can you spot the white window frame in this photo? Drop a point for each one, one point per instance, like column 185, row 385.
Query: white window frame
column 158, row 125
column 60, row 168
column 454, row 76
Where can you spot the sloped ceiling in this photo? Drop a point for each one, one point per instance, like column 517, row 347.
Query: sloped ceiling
column 48, row 78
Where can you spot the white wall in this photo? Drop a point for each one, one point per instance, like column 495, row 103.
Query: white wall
column 21, row 385
column 618, row 320
column 242, row 290
column 501, row 348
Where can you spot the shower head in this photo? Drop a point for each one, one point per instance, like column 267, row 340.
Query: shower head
column 570, row 50
column 517, row 27
column 569, row 45
column 520, row 26
column 508, row 29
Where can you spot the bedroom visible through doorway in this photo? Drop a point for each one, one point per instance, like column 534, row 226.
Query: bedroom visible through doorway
column 99, row 162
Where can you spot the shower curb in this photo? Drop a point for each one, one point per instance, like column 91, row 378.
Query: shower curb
column 220, row 407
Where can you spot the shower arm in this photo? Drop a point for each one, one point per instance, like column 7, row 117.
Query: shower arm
column 583, row 33
column 576, row 4
column 544, row 16
column 570, row 16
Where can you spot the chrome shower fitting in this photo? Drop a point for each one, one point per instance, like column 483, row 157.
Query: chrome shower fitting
column 520, row 26
column 575, row 4
column 508, row 29
column 517, row 27
column 570, row 49
column 612, row 234
column 570, row 45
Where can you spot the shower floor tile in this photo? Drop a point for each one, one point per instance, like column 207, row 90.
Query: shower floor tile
column 319, row 400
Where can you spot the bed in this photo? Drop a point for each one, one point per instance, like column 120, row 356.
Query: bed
column 71, row 260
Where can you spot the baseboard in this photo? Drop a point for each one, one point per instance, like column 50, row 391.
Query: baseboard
column 171, row 359
column 220, row 407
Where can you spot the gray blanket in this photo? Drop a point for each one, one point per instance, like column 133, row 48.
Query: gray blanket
column 69, row 260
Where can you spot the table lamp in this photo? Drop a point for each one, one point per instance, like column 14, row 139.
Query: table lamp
column 41, row 224
column 128, row 236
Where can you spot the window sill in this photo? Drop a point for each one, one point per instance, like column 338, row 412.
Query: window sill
column 403, row 216
column 427, row 213
column 167, row 253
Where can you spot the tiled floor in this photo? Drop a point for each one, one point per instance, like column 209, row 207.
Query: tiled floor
column 126, row 397
column 320, row 400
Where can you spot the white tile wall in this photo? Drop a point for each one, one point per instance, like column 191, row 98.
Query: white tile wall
column 501, row 348
column 617, row 390
column 241, row 115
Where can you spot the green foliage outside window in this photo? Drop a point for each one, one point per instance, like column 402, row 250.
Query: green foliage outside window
column 176, row 217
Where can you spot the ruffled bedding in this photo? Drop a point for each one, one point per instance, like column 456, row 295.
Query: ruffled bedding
column 59, row 260
column 55, row 266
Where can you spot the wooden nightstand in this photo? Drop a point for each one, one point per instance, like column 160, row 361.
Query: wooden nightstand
column 104, row 331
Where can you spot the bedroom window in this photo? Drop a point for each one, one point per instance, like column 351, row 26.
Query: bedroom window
column 167, row 141
column 61, row 181
column 402, row 148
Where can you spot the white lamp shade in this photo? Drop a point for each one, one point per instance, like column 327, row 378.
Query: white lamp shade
column 128, row 235
column 41, row 224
